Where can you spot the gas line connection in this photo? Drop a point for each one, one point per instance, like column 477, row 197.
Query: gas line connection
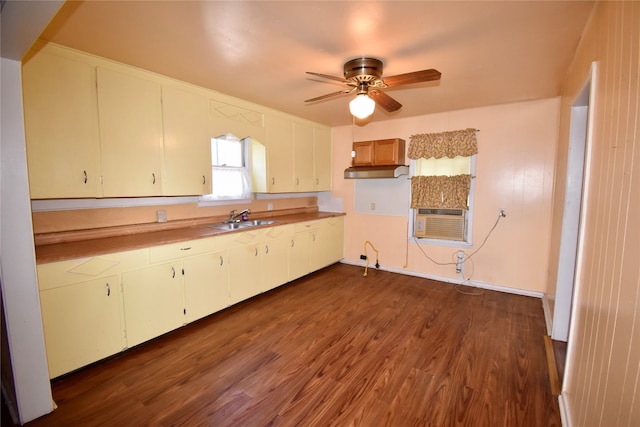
column 366, row 257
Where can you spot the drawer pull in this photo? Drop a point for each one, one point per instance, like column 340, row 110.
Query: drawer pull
column 108, row 290
column 185, row 249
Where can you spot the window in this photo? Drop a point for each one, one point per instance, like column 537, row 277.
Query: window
column 432, row 222
column 230, row 174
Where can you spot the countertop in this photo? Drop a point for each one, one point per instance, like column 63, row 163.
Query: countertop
column 47, row 253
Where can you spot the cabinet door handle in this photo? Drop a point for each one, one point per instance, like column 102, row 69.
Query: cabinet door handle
column 204, row 180
column 297, row 181
column 85, row 176
column 313, row 237
column 108, row 290
column 273, row 181
column 317, row 181
column 256, row 249
column 292, row 243
column 154, row 178
column 221, row 260
column 266, row 249
column 173, row 273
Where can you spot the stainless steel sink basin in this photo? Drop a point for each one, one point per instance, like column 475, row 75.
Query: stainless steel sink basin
column 241, row 224
column 259, row 222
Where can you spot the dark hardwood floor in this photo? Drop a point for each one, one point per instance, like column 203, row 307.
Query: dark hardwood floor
column 331, row 349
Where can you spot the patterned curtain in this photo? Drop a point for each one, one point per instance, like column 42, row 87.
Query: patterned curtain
column 444, row 144
column 444, row 192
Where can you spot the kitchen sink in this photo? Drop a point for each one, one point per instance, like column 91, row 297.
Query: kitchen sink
column 241, row 224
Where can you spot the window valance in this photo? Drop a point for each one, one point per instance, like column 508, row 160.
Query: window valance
column 446, row 192
column 443, row 144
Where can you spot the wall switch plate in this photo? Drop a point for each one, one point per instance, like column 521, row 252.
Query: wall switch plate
column 162, row 216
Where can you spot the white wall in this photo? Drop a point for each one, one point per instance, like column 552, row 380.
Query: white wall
column 21, row 23
column 17, row 257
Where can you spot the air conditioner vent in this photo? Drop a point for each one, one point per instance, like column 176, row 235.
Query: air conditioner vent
column 444, row 224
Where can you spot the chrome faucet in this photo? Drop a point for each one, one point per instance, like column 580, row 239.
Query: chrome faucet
column 233, row 215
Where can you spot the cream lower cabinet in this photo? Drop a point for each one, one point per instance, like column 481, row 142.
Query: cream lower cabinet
column 137, row 295
column 153, row 301
column 275, row 262
column 81, row 323
column 206, row 285
column 245, row 273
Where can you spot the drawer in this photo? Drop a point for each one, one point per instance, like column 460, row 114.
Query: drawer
column 300, row 227
column 181, row 249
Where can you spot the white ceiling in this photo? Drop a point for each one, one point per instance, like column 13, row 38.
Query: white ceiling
column 488, row 52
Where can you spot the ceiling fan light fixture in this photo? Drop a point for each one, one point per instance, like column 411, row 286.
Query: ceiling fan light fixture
column 362, row 106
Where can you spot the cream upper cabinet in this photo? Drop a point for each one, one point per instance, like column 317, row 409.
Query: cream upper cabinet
column 187, row 143
column 322, row 158
column 130, row 120
column 303, row 157
column 61, row 121
column 81, row 323
column 280, row 178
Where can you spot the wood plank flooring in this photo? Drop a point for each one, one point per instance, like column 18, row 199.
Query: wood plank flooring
column 331, row 349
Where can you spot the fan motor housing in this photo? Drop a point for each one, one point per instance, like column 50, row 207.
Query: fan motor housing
column 363, row 69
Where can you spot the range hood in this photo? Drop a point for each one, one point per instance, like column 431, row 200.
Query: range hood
column 367, row 172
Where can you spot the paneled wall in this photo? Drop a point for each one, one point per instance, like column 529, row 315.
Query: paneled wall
column 603, row 366
column 514, row 170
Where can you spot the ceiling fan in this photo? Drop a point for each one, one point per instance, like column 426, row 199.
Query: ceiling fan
column 364, row 75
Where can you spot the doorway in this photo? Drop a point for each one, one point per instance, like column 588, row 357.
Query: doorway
column 569, row 258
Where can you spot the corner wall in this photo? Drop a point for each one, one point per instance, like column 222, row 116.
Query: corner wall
column 514, row 170
column 603, row 362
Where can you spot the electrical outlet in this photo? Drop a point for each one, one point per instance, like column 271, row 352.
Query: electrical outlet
column 161, row 216
column 460, row 261
column 363, row 257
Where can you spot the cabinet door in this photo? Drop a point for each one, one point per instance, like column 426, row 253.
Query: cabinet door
column 279, row 155
column 303, row 157
column 153, row 301
column 322, row 158
column 81, row 323
column 205, row 285
column 299, row 255
column 187, row 144
column 388, row 152
column 130, row 135
column 363, row 153
column 335, row 236
column 245, row 278
column 61, row 123
column 275, row 262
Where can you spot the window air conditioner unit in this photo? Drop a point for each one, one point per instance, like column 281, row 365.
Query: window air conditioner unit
column 443, row 224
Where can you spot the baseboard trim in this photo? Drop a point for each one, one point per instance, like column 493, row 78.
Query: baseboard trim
column 564, row 411
column 445, row 279
column 547, row 314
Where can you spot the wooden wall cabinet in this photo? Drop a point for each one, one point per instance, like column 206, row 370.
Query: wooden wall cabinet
column 383, row 152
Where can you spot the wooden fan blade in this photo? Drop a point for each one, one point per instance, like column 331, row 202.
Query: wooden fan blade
column 329, row 95
column 384, row 100
column 415, row 77
column 338, row 79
